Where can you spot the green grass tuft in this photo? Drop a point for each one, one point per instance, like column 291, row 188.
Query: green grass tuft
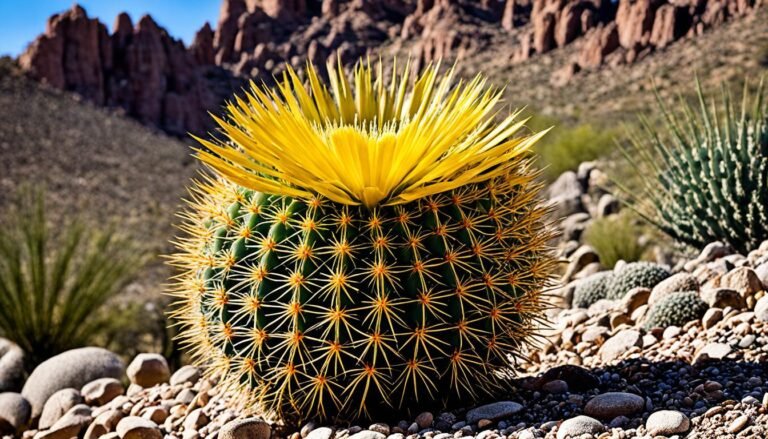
column 55, row 277
column 615, row 238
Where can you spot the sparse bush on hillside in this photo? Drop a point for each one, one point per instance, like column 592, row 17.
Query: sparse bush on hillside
column 55, row 278
column 565, row 147
column 705, row 173
column 615, row 238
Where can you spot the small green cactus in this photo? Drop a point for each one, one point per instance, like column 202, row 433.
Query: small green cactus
column 591, row 289
column 677, row 309
column 706, row 174
column 634, row 275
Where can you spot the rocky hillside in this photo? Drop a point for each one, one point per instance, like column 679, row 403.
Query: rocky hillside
column 142, row 70
column 111, row 169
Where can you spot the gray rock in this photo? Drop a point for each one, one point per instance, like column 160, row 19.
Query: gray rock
column 57, row 405
column 11, row 366
column 582, row 257
column 761, row 309
column 565, row 194
column 146, row 370
column 250, row 428
column 318, row 433
column 574, row 225
column 667, row 423
column 14, row 412
column 70, row 425
column 74, row 368
column 187, row 374
column 609, row 405
column 712, row 351
column 555, row 386
column 607, row 205
column 368, row 434
column 711, row 317
column 580, row 425
column 493, row 411
column 621, row 342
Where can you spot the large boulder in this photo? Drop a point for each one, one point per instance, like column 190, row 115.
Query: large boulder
column 11, row 366
column 74, row 368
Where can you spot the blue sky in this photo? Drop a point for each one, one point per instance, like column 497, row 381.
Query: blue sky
column 22, row 20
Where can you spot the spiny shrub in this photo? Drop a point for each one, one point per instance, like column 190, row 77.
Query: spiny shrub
column 706, row 174
column 677, row 309
column 367, row 249
column 635, row 275
column 615, row 238
column 55, row 281
column 592, row 289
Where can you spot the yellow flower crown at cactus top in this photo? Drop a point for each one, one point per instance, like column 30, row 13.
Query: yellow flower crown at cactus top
column 366, row 142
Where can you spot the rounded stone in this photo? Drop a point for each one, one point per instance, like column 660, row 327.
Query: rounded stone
column 578, row 426
column 14, row 412
column 493, row 411
column 555, row 387
column 425, row 419
column 609, row 405
column 74, row 368
column 57, row 405
column 146, row 370
column 761, row 309
column 11, row 366
column 249, row 428
column 102, row 391
column 134, row 427
column 319, row 433
column 620, row 343
column 187, row 374
column 667, row 423
column 368, row 434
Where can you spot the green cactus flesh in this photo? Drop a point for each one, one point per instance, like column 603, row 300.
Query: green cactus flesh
column 677, row 309
column 317, row 309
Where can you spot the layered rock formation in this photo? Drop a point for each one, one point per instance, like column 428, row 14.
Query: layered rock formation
column 138, row 68
column 154, row 78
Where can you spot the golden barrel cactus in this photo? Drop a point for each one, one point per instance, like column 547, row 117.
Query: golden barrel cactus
column 376, row 246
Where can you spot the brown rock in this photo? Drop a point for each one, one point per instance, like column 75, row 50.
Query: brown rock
column 544, row 32
column 285, row 10
column 147, row 370
column 202, row 46
column 70, row 425
column 568, row 23
column 742, row 279
column 508, row 16
column 602, row 41
column 134, row 427
column 102, row 391
column 226, row 29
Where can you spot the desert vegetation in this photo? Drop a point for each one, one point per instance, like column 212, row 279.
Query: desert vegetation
column 556, row 231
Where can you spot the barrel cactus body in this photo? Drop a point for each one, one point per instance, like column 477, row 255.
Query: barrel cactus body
column 677, row 309
column 314, row 305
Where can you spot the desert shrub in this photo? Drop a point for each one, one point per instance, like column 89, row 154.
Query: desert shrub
column 565, row 147
column 705, row 171
column 54, row 278
column 615, row 238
